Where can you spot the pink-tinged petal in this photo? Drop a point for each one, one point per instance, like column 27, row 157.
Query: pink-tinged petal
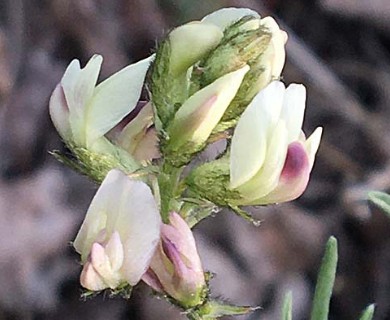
column 152, row 281
column 102, row 264
column 90, row 279
column 199, row 114
column 294, row 177
column 100, row 260
column 133, row 133
column 293, row 110
column 266, row 179
column 59, row 112
column 312, row 144
column 227, row 16
column 174, row 256
column 181, row 236
column 114, row 98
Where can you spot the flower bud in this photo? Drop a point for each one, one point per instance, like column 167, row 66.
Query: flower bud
column 197, row 117
column 189, row 43
column 119, row 234
column 183, row 47
column 176, row 268
column 247, row 40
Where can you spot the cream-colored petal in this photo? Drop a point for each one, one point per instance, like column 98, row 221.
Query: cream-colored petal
column 59, row 113
column 191, row 42
column 312, row 144
column 249, row 143
column 248, row 148
column 135, row 216
column 79, row 84
column 276, row 53
column 266, row 179
column 96, row 218
column 269, row 102
column 114, row 251
column 293, row 110
column 227, row 16
column 114, row 98
column 199, row 115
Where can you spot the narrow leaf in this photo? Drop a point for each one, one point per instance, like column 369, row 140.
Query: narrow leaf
column 325, row 282
column 381, row 200
column 368, row 313
column 287, row 307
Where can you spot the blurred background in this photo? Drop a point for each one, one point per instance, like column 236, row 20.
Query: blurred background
column 339, row 49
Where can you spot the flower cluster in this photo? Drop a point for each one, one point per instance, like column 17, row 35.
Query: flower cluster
column 209, row 78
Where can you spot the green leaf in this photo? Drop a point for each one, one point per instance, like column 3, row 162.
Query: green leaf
column 325, row 282
column 287, row 307
column 368, row 313
column 381, row 200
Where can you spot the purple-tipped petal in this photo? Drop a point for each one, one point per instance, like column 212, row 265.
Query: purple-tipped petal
column 294, row 177
column 152, row 280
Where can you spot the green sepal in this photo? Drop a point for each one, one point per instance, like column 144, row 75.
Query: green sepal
column 235, row 50
column 211, row 181
column 168, row 92
column 194, row 210
column 96, row 165
column 325, row 282
column 124, row 291
column 380, row 200
column 216, row 309
column 368, row 313
column 170, row 189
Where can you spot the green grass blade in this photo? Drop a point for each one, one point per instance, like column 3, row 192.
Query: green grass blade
column 368, row 314
column 287, row 307
column 325, row 282
column 381, row 200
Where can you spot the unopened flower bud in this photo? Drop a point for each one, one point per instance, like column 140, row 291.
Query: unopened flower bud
column 197, row 117
column 183, row 47
column 247, row 40
column 176, row 268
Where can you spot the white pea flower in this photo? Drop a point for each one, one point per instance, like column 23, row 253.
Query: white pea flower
column 270, row 158
column 120, row 233
column 84, row 112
